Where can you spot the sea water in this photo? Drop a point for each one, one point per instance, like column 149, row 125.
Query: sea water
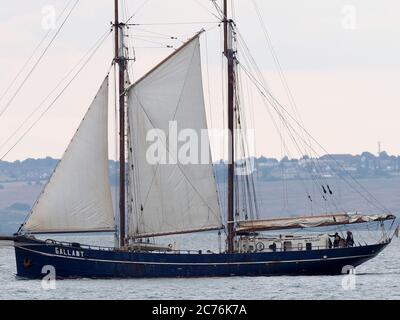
column 378, row 278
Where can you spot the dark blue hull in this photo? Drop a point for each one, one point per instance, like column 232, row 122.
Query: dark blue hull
column 73, row 261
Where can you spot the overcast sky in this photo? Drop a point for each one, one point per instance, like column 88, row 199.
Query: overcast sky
column 340, row 58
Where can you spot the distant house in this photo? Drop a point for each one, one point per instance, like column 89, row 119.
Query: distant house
column 263, row 162
column 338, row 157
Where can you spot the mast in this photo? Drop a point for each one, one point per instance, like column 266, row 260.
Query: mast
column 119, row 58
column 229, row 54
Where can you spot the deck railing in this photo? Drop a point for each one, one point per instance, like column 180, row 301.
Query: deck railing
column 106, row 248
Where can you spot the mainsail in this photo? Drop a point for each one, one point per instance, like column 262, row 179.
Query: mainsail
column 170, row 198
column 77, row 197
column 310, row 221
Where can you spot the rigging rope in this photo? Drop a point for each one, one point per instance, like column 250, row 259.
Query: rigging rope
column 208, row 10
column 165, row 36
column 6, row 141
column 38, row 60
column 292, row 133
column 172, row 23
column 316, row 164
column 279, row 131
column 149, row 41
column 32, row 54
column 281, row 117
column 283, row 80
column 268, row 96
column 56, row 98
column 137, row 10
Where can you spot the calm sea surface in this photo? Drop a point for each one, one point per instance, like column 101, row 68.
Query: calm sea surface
column 377, row 279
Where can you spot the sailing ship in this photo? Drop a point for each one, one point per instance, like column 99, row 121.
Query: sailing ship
column 166, row 199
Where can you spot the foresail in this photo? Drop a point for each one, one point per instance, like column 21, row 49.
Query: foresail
column 170, row 198
column 77, row 197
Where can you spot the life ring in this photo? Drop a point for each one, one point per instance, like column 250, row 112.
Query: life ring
column 260, row 246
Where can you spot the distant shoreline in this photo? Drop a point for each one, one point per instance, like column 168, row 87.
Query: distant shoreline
column 363, row 166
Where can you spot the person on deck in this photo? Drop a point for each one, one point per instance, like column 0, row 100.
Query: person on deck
column 349, row 239
column 342, row 243
column 336, row 240
column 329, row 243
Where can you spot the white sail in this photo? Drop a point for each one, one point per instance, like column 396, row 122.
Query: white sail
column 77, row 197
column 310, row 221
column 170, row 198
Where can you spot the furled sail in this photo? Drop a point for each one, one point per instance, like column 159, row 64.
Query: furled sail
column 171, row 197
column 309, row 221
column 77, row 197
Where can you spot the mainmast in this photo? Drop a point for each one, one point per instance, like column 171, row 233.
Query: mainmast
column 119, row 58
column 230, row 55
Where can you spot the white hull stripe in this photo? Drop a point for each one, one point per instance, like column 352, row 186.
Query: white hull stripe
column 194, row 263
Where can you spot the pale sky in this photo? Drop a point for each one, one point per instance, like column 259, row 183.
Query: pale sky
column 344, row 74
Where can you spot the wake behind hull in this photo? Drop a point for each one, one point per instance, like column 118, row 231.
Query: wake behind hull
column 76, row 262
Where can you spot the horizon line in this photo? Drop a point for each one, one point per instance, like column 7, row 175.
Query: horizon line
column 221, row 159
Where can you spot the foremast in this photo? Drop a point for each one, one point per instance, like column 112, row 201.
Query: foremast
column 121, row 61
